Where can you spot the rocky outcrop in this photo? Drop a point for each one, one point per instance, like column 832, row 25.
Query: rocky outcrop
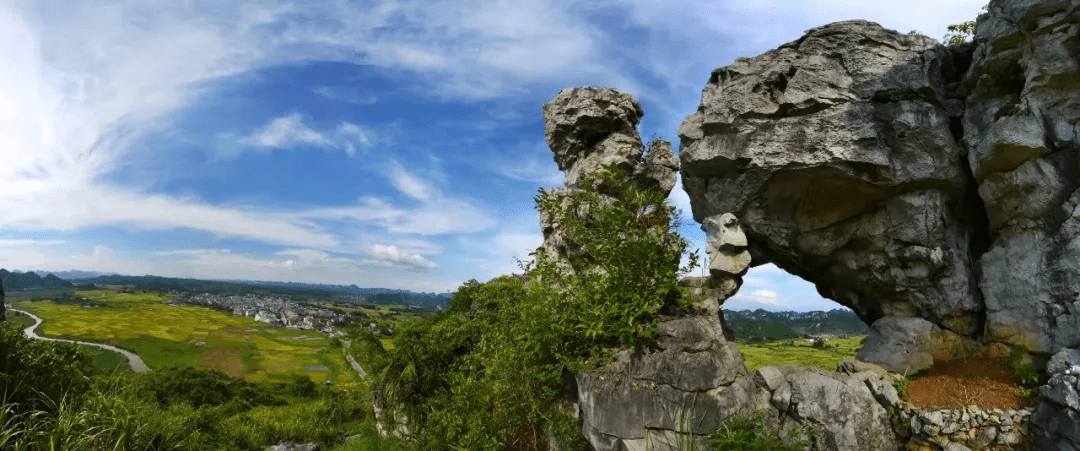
column 837, row 154
column 588, row 128
column 653, row 399
column 906, row 179
column 933, row 190
column 848, row 411
column 1056, row 420
column 671, row 395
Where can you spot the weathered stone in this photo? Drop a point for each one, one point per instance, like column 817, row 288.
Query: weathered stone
column 900, row 345
column 836, row 154
column 769, row 377
column 839, row 406
column 590, row 127
column 695, row 380
column 1022, row 126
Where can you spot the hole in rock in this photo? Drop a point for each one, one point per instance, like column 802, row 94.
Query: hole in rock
column 780, row 319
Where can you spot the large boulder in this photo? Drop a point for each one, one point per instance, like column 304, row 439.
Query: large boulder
column 837, row 153
column 907, row 345
column 849, row 411
column 651, row 399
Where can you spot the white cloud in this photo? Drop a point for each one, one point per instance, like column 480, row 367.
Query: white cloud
column 20, row 242
column 763, row 297
column 345, row 94
column 538, row 167
column 290, row 132
column 680, row 200
column 391, row 254
column 287, row 132
column 410, row 184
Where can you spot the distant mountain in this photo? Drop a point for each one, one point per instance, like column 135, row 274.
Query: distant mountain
column 235, row 287
column 14, row 281
column 747, row 324
column 76, row 274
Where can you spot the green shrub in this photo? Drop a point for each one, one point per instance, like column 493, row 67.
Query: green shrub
column 901, row 386
column 750, row 433
column 487, row 373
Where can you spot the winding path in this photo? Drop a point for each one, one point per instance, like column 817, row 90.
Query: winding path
column 137, row 364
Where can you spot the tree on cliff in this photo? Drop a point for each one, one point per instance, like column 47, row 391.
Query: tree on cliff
column 961, row 32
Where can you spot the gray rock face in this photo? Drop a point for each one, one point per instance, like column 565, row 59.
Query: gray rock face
column 1022, row 129
column 836, row 153
column 590, row 127
column 907, row 345
column 907, row 179
column 587, row 128
column 694, row 381
column 1056, row 420
column 935, row 191
column 843, row 408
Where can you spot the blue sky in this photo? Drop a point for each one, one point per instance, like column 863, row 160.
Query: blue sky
column 388, row 144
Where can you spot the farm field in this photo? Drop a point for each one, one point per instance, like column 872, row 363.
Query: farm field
column 800, row 352
column 182, row 335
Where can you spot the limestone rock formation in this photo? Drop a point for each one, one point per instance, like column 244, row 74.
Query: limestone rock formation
column 837, row 154
column 906, row 179
column 1022, row 132
column 849, row 411
column 589, row 127
column 694, row 378
column 1056, row 420
column 644, row 400
column 935, row 191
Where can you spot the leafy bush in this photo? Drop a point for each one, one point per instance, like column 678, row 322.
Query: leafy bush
column 488, row 372
column 750, row 433
column 36, row 374
column 168, row 386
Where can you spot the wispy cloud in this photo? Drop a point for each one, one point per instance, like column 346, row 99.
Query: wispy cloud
column 17, row 242
column 290, row 132
column 435, row 214
column 345, row 94
column 391, row 254
column 762, row 296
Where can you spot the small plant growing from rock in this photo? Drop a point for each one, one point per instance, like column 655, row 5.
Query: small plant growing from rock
column 901, row 386
column 749, row 433
column 1025, row 371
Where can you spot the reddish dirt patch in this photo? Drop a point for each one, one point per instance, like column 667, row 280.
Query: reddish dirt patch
column 974, row 381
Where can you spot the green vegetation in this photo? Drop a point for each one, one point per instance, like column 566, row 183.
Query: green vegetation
column 749, row 433
column 961, row 32
column 901, row 386
column 1025, row 371
column 51, row 398
column 487, row 373
column 182, row 335
column 800, row 352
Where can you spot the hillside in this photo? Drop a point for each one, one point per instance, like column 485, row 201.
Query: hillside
column 749, row 324
column 29, row 280
column 16, row 281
